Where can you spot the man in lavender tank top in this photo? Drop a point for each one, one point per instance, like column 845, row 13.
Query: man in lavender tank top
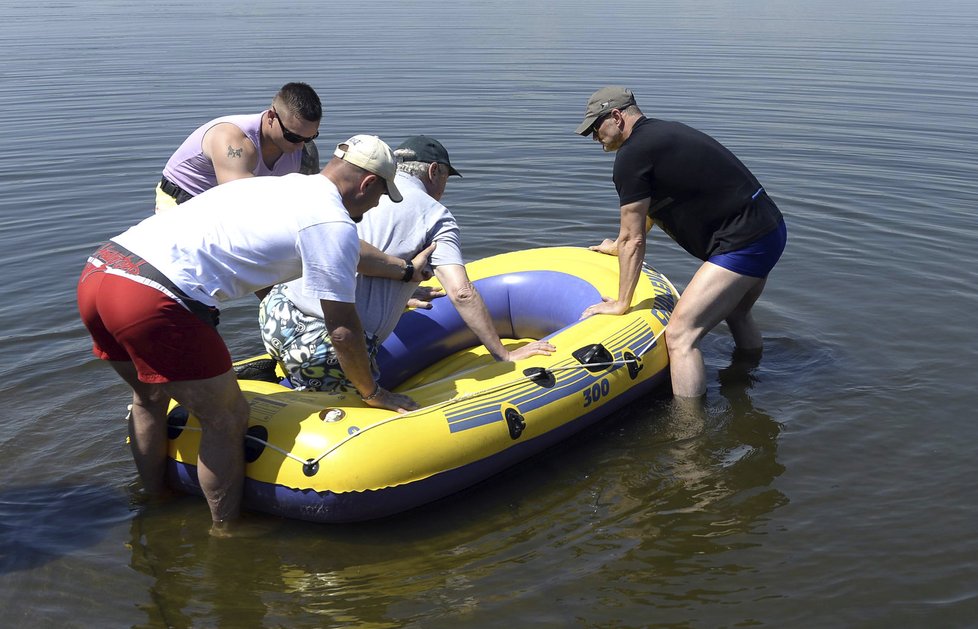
column 272, row 142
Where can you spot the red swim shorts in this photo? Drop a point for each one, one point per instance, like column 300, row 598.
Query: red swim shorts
column 132, row 322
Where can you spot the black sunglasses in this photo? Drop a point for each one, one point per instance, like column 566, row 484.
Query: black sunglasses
column 289, row 136
column 600, row 121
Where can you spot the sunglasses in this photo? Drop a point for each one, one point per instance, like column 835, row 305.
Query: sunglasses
column 600, row 121
column 290, row 136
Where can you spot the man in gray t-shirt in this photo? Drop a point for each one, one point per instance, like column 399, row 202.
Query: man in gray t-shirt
column 291, row 322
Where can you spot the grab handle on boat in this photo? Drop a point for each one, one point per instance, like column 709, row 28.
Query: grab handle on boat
column 515, row 423
column 544, row 377
column 176, row 421
column 634, row 364
column 595, row 357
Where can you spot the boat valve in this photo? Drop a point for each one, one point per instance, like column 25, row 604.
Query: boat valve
column 331, row 415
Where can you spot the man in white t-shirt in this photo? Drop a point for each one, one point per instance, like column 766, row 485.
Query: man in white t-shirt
column 149, row 299
column 291, row 321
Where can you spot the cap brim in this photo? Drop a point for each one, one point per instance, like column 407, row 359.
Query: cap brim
column 585, row 127
column 393, row 192
column 452, row 171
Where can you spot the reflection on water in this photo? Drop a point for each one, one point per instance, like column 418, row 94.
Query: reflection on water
column 197, row 579
column 835, row 463
column 42, row 523
column 704, row 487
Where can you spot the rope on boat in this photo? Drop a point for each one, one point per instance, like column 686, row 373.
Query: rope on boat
column 276, row 448
column 315, row 461
column 252, row 438
column 337, row 445
column 616, row 363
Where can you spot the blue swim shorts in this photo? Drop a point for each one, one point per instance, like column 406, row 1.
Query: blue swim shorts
column 759, row 257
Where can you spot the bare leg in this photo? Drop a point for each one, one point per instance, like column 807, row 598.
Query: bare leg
column 223, row 413
column 686, row 418
column 711, row 296
column 745, row 332
column 147, row 428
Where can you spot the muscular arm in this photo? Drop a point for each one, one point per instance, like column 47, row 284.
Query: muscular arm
column 473, row 311
column 233, row 154
column 346, row 335
column 376, row 263
column 630, row 249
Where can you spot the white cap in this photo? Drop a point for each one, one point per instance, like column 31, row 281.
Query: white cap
column 371, row 153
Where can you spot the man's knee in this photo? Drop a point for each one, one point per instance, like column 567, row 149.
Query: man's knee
column 230, row 421
column 678, row 337
column 152, row 398
column 215, row 398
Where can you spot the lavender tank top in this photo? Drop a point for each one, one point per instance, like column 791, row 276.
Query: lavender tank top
column 190, row 169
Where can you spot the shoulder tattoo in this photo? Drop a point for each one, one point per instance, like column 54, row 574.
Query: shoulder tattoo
column 234, row 152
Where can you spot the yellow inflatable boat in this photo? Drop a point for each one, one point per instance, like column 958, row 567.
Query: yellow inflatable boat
column 330, row 458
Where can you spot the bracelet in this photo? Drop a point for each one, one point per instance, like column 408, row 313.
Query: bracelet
column 408, row 272
column 372, row 395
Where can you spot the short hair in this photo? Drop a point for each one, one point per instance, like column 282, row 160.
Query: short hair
column 301, row 100
column 407, row 163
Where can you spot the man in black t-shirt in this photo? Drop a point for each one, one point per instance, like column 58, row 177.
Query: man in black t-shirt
column 704, row 198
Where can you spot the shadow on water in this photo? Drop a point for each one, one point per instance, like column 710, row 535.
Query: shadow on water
column 657, row 488
column 40, row 524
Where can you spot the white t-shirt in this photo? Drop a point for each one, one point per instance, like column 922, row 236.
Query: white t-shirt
column 402, row 230
column 249, row 234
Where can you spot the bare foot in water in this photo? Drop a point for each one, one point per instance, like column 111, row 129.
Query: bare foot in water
column 241, row 528
column 140, row 497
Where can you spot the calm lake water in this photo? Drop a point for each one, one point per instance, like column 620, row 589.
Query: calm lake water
column 832, row 485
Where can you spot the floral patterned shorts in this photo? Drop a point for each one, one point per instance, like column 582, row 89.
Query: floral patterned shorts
column 300, row 343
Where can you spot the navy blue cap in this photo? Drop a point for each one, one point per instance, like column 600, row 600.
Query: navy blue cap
column 421, row 148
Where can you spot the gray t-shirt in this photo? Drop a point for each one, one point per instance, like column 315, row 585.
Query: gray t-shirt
column 402, row 230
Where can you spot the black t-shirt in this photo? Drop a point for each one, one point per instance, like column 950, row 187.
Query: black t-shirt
column 701, row 194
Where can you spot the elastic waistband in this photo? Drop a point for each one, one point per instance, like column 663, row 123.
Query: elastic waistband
column 118, row 260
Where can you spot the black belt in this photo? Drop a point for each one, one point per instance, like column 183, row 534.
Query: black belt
column 179, row 194
column 115, row 256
